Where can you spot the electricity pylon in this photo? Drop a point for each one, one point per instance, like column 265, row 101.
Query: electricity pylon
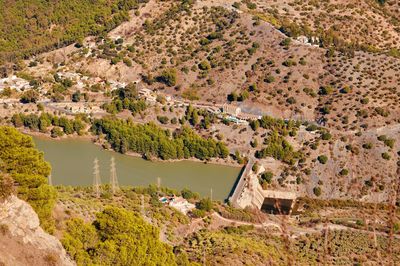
column 113, row 177
column 158, row 184
column 96, row 178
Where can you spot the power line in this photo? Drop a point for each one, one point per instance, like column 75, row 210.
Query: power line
column 96, row 178
column 113, row 177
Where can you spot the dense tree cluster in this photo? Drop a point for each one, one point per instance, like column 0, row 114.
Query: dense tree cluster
column 199, row 117
column 283, row 127
column 278, row 148
column 25, row 165
column 125, row 99
column 151, row 140
column 32, row 26
column 46, row 120
column 168, row 76
column 116, row 237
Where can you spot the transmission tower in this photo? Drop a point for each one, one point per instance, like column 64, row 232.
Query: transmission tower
column 158, row 184
column 142, row 211
column 96, row 178
column 50, row 180
column 113, row 177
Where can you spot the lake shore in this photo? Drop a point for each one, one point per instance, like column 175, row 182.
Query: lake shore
column 72, row 162
column 92, row 139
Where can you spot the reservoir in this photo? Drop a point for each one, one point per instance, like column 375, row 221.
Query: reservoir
column 72, row 164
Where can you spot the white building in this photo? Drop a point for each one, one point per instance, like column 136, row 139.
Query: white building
column 14, row 82
column 231, row 109
column 303, row 40
column 181, row 205
column 69, row 75
column 116, row 84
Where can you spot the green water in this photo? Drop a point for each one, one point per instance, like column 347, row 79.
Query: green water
column 72, row 164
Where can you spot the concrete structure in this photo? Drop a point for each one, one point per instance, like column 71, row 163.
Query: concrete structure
column 14, row 82
column 231, row 109
column 116, row 84
column 236, row 120
column 148, row 95
column 249, row 193
column 235, row 198
column 302, row 39
column 181, row 205
column 178, row 203
column 69, row 75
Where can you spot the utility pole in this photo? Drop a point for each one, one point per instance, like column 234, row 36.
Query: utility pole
column 50, row 180
column 113, row 177
column 96, row 178
column 158, row 184
column 142, row 206
column 211, row 194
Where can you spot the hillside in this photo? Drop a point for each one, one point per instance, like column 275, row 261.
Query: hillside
column 353, row 23
column 23, row 241
column 30, row 27
column 99, row 229
column 302, row 94
column 216, row 53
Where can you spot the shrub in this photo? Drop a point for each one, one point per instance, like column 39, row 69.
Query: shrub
column 344, row 172
column 266, row 177
column 204, row 65
column 345, row 89
column 326, row 136
column 188, row 194
column 255, row 168
column 385, row 156
column 169, row 77
column 322, row 159
column 198, row 213
column 317, row 191
column 269, row 79
column 312, row 127
column 163, row 119
column 205, row 204
column 367, row 146
column 30, row 96
column 389, row 143
column 325, row 90
column 56, row 132
column 286, row 42
column 291, row 100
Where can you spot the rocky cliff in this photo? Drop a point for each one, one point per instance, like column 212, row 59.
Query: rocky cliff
column 23, row 241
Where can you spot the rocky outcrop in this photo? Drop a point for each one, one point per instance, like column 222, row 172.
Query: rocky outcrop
column 23, row 241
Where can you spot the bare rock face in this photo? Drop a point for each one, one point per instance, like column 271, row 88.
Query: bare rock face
column 23, row 241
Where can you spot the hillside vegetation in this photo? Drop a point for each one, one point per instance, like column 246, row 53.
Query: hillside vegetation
column 29, row 27
column 151, row 140
column 116, row 237
column 20, row 160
